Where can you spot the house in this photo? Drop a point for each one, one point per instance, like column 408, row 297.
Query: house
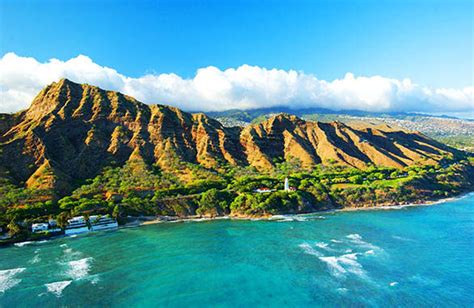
column 262, row 190
column 39, row 227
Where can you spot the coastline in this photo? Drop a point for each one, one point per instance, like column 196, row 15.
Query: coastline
column 151, row 220
column 401, row 206
column 148, row 220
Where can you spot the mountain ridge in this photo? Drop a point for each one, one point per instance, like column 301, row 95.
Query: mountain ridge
column 71, row 131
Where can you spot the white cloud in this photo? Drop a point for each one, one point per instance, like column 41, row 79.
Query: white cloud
column 245, row 87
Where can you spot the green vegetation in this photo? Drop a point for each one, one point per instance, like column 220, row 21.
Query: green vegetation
column 464, row 142
column 136, row 189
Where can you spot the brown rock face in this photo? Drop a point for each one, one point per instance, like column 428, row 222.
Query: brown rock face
column 71, row 131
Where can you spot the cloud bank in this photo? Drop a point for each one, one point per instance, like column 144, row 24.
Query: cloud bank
column 245, row 87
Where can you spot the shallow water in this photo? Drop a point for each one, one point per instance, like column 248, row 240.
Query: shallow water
column 421, row 256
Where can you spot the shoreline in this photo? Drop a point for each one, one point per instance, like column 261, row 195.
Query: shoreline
column 148, row 220
column 401, row 206
column 152, row 220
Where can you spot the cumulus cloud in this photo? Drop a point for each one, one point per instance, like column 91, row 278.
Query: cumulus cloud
column 245, row 87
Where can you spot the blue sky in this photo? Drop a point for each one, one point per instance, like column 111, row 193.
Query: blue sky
column 378, row 55
column 430, row 42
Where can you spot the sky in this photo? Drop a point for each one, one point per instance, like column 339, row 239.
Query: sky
column 378, row 55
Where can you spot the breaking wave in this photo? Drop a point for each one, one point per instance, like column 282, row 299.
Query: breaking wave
column 324, row 246
column 8, row 280
column 21, row 244
column 357, row 239
column 57, row 287
column 80, row 268
column 35, row 259
column 310, row 250
column 347, row 263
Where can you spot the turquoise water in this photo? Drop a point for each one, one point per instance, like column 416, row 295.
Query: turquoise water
column 415, row 256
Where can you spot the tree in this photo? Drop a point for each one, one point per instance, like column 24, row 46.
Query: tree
column 213, row 202
column 13, row 228
column 117, row 212
column 62, row 219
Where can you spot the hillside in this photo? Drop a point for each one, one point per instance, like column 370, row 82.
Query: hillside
column 72, row 131
column 455, row 132
column 81, row 150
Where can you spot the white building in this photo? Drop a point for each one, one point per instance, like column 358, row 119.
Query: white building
column 39, row 227
column 287, row 185
column 262, row 190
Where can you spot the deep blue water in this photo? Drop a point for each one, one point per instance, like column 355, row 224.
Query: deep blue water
column 415, row 256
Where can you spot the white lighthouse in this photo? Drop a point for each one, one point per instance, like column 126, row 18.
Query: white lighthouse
column 287, row 185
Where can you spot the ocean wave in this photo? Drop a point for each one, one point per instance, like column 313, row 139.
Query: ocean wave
column 357, row 239
column 342, row 290
column 57, row 287
column 393, row 284
column 354, row 236
column 341, row 265
column 8, row 280
column 80, row 268
column 35, row 259
column 324, row 246
column 70, row 254
column 310, row 250
column 401, row 238
column 336, row 241
column 292, row 218
column 334, row 266
column 95, row 280
column 21, row 244
column 353, row 266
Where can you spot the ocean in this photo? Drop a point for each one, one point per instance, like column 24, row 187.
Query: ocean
column 413, row 256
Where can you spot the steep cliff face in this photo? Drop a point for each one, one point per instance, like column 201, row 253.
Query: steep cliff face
column 71, row 131
column 284, row 137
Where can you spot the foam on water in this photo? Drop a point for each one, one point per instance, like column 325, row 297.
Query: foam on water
column 322, row 245
column 354, row 236
column 80, row 268
column 341, row 265
column 333, row 265
column 8, row 280
column 35, row 259
column 57, row 287
column 310, row 250
column 23, row 243
column 70, row 254
column 287, row 218
column 393, row 284
column 353, row 266
column 357, row 239
column 342, row 290
column 401, row 238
